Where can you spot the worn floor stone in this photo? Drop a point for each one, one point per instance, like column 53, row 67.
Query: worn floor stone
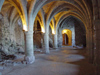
column 65, row 61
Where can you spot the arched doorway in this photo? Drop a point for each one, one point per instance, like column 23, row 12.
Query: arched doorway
column 67, row 37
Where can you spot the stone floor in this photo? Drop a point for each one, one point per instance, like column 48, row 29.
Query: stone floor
column 64, row 61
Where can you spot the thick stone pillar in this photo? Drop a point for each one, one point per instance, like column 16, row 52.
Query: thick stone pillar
column 55, row 41
column 73, row 39
column 30, row 58
column 97, row 52
column 90, row 45
column 46, row 42
column 97, row 48
column 87, row 40
column 60, row 38
column 73, row 36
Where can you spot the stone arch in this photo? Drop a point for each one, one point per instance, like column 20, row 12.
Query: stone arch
column 76, row 14
column 73, row 20
column 21, row 11
column 42, row 4
column 40, row 17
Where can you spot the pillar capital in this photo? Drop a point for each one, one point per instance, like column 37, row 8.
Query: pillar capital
column 46, row 33
column 29, row 32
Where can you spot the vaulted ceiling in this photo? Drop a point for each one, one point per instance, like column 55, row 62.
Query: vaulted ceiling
column 48, row 12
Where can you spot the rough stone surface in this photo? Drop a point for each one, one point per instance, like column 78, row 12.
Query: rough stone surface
column 80, row 34
column 10, row 38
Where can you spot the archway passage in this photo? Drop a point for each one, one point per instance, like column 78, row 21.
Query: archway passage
column 67, row 37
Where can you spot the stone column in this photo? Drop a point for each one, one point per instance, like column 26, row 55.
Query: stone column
column 60, row 37
column 55, row 41
column 97, row 52
column 87, row 40
column 73, row 36
column 90, row 45
column 30, row 58
column 97, row 48
column 46, row 42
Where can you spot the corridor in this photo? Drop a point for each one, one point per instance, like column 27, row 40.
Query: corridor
column 63, row 61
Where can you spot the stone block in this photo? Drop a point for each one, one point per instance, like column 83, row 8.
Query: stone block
column 15, row 64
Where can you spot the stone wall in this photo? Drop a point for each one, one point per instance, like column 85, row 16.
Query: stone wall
column 11, row 36
column 80, row 35
column 38, row 37
column 19, row 35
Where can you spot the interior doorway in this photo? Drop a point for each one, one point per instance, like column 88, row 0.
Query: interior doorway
column 67, row 37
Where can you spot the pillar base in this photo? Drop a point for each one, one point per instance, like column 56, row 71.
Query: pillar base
column 47, row 51
column 30, row 59
column 55, row 47
column 73, row 45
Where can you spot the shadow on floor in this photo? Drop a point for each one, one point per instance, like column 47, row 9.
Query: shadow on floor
column 85, row 68
column 75, row 57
